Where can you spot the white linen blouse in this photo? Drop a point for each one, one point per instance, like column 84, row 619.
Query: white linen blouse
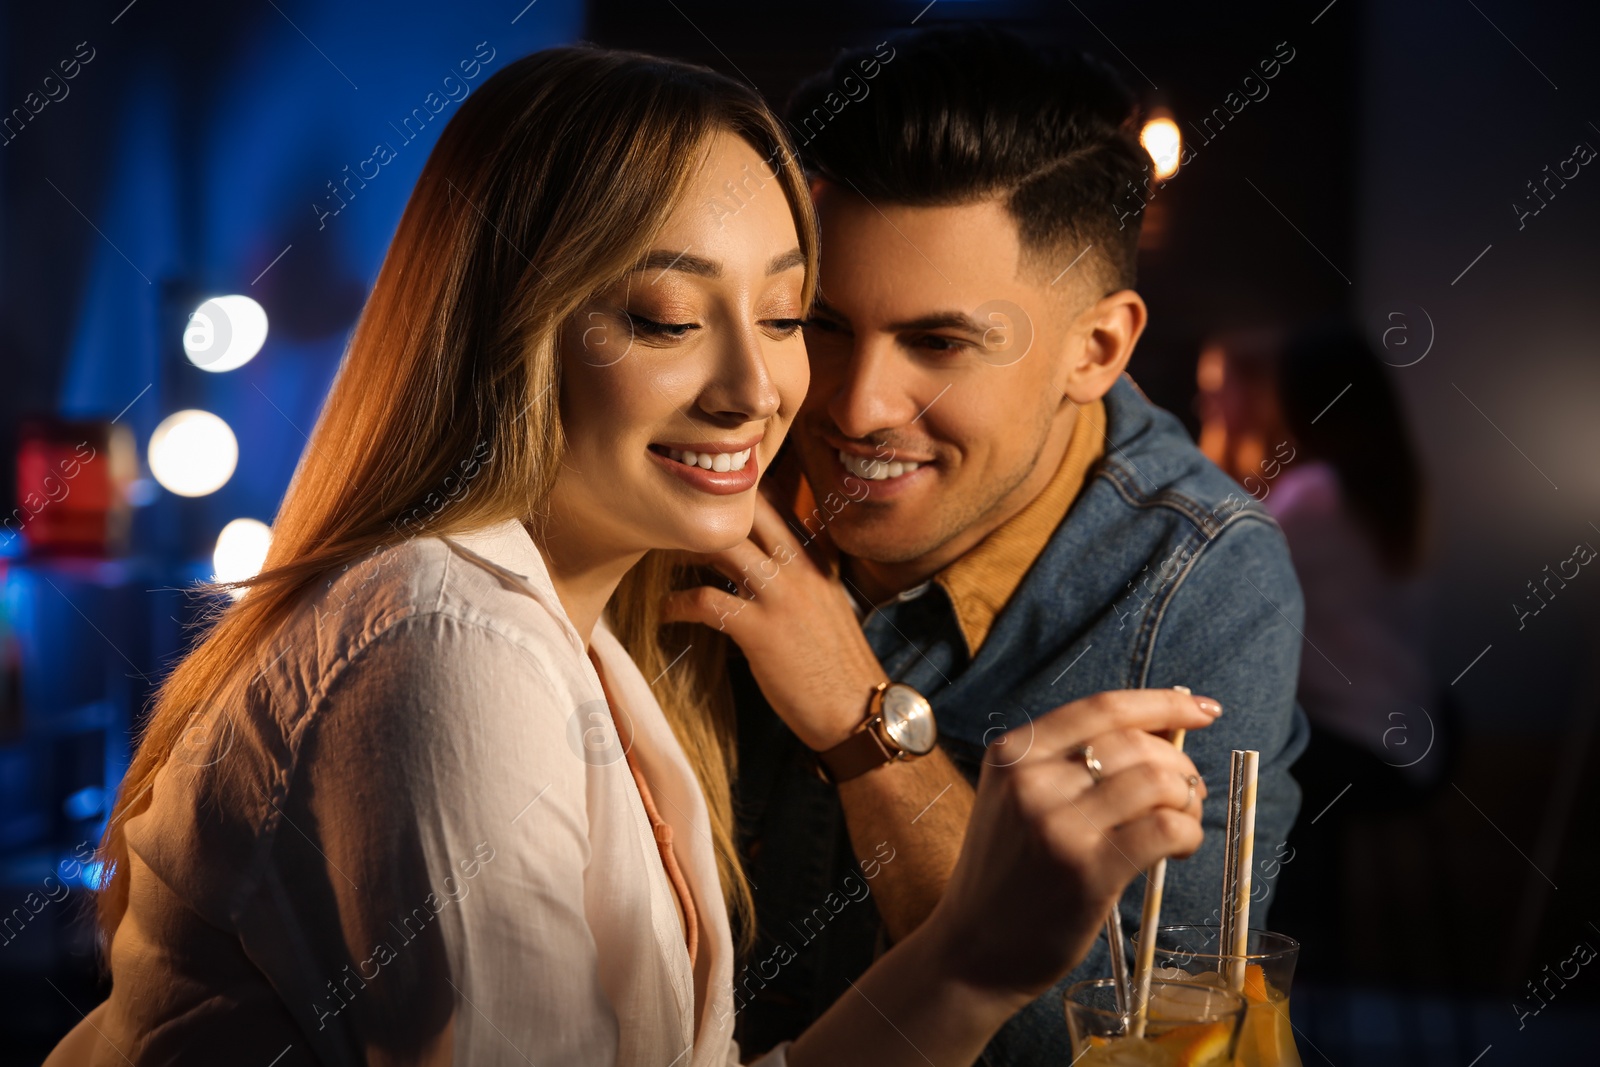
column 413, row 811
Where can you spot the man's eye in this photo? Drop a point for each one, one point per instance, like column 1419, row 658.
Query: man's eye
column 823, row 325
column 652, row 328
column 933, row 342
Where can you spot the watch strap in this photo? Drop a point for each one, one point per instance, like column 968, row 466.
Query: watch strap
column 856, row 755
column 861, row 751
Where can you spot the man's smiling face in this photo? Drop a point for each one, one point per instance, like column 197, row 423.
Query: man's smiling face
column 936, row 346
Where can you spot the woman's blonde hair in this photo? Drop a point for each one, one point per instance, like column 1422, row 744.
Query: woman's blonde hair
column 547, row 187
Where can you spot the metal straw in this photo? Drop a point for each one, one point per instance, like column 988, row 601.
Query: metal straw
column 1119, row 963
column 1238, row 858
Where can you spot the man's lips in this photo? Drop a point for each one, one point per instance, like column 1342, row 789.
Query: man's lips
column 883, row 452
column 877, row 464
column 874, row 469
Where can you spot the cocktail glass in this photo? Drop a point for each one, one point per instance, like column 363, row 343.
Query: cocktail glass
column 1188, row 1024
column 1194, row 954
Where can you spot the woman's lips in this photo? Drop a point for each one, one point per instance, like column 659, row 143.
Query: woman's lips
column 724, row 482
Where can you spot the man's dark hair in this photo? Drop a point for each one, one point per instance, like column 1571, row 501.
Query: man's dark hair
column 952, row 115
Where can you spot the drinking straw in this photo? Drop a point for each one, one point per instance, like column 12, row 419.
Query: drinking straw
column 1238, row 857
column 1119, row 963
column 1149, row 922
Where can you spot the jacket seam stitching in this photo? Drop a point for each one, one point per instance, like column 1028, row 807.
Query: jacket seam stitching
column 1202, row 518
column 1144, row 645
column 1150, row 630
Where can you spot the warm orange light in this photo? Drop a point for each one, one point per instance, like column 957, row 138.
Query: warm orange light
column 1163, row 140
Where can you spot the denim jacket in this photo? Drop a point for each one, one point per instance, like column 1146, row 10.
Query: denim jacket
column 1163, row 573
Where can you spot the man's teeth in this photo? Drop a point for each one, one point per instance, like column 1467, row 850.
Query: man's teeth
column 875, row 470
column 711, row 461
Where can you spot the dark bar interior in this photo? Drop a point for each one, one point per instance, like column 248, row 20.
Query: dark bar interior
column 1415, row 172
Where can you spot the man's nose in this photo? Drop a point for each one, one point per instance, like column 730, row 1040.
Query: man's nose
column 875, row 394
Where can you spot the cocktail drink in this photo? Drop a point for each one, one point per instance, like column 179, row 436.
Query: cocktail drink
column 1193, row 954
column 1188, row 1024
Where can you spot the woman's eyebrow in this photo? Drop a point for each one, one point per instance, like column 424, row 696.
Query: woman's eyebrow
column 663, row 260
column 787, row 261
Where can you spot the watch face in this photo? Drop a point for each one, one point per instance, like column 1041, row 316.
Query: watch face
column 908, row 719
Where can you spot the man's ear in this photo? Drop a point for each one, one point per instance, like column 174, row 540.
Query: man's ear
column 1103, row 340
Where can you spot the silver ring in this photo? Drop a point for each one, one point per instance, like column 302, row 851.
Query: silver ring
column 1193, row 785
column 1093, row 766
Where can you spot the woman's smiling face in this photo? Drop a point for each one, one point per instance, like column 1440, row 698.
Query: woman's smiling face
column 679, row 383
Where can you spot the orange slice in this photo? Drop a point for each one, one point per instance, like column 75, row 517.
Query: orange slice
column 1201, row 1045
column 1255, row 984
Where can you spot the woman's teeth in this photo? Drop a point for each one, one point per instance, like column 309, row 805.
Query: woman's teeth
column 711, row 461
column 875, row 470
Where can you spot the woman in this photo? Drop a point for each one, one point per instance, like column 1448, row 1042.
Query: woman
column 381, row 813
column 1313, row 427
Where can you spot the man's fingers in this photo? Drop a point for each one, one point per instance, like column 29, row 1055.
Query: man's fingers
column 769, row 529
column 705, row 605
column 745, row 565
column 788, row 541
column 1127, row 709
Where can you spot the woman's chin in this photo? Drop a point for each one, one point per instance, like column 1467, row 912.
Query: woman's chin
column 710, row 537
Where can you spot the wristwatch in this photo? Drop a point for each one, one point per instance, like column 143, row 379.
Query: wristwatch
column 899, row 726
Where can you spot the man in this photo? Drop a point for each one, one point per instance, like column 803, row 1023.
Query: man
column 1015, row 526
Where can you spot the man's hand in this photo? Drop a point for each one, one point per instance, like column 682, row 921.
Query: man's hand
column 793, row 620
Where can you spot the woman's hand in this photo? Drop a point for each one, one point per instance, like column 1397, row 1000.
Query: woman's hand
column 1049, row 851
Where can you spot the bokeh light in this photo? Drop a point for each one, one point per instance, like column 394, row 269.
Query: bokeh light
column 241, row 550
column 1164, row 141
column 193, row 453
column 225, row 332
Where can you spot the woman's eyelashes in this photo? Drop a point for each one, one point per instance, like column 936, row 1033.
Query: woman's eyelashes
column 655, row 329
column 784, row 327
column 648, row 327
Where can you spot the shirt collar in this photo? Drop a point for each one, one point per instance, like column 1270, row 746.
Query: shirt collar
column 982, row 581
column 863, row 609
column 507, row 548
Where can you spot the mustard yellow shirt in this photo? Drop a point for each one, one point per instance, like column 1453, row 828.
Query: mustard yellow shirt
column 981, row 582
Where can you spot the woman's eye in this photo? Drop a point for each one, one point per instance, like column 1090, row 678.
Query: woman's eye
column 652, row 328
column 785, row 327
